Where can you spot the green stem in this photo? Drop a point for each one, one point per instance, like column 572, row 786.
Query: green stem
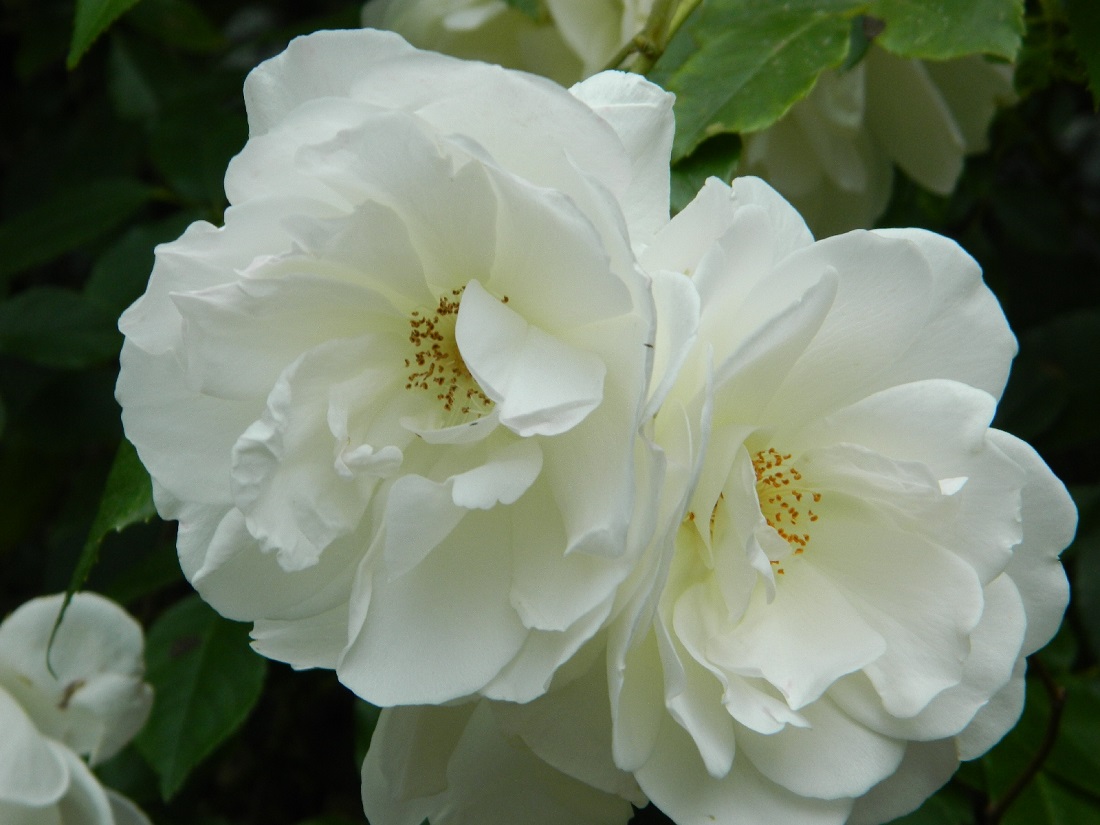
column 642, row 51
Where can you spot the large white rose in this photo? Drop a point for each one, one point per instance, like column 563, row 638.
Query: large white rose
column 91, row 705
column 863, row 563
column 571, row 39
column 832, row 155
column 393, row 402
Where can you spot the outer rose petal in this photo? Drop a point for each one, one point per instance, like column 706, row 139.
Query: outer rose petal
column 33, row 771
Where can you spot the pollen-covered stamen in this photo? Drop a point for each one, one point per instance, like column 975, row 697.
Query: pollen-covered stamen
column 436, row 363
column 786, row 503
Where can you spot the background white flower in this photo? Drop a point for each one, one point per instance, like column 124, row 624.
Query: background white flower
column 393, row 402
column 498, row 763
column 863, row 562
column 832, row 155
column 571, row 39
column 91, row 705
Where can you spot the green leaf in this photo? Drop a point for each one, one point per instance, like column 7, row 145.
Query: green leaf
column 58, row 327
column 120, row 274
column 177, row 23
column 206, row 679
column 716, row 157
column 93, row 17
column 127, row 499
column 738, row 65
column 1047, row 801
column 66, row 221
column 1084, row 28
column 193, row 160
column 942, row 29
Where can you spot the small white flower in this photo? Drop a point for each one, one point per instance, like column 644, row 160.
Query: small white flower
column 572, row 39
column 393, row 402
column 863, row 563
column 91, row 705
column 832, row 155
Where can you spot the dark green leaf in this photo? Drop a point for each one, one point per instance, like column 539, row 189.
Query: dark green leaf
column 716, row 157
column 738, row 65
column 942, row 29
column 58, row 328
column 1047, row 801
column 1086, row 564
column 206, row 679
column 1084, row 27
column 74, row 217
column 122, row 271
column 131, row 92
column 177, row 23
column 127, row 499
column 93, row 17
column 193, row 160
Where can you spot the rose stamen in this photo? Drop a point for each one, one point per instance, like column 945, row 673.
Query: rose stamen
column 780, row 502
column 436, row 361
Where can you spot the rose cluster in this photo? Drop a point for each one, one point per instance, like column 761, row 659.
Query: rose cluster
column 601, row 506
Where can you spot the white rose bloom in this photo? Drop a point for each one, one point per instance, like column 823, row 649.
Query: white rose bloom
column 571, row 39
column 863, row 563
column 832, row 155
column 393, row 402
column 92, row 707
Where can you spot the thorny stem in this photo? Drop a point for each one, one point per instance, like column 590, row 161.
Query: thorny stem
column 995, row 810
column 647, row 46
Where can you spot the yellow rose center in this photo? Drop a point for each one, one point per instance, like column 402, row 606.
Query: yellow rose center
column 436, row 364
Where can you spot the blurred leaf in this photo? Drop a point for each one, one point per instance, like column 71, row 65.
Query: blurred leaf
column 1066, row 351
column 942, row 29
column 1084, row 27
column 528, row 7
column 70, row 219
column 738, row 65
column 206, row 679
column 192, row 152
column 131, row 93
column 716, row 157
column 1048, row 802
column 93, row 17
column 177, row 23
column 58, row 328
column 1086, row 565
column 947, row 807
column 120, row 274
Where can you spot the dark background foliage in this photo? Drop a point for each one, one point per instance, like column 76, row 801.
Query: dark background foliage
column 100, row 163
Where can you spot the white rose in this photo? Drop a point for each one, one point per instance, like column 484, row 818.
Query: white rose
column 91, row 705
column 832, row 155
column 863, row 563
column 571, row 39
column 393, row 402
